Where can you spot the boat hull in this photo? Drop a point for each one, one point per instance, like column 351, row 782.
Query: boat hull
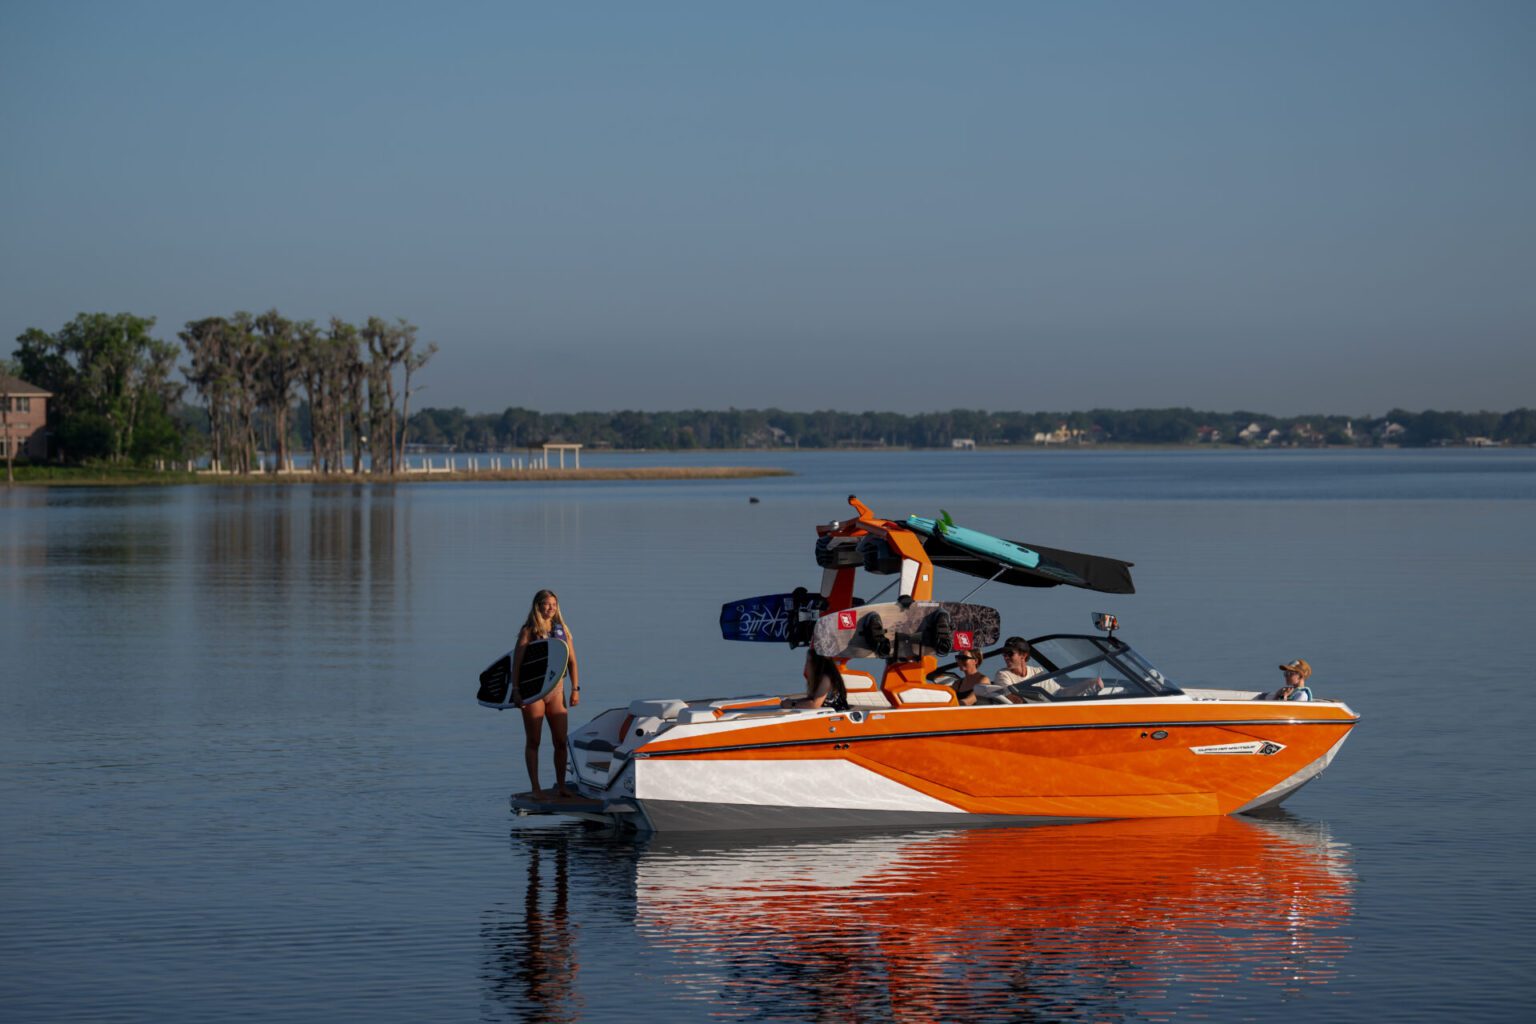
column 1020, row 764
column 701, row 816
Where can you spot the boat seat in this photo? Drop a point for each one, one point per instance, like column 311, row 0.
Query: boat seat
column 863, row 690
column 928, row 696
column 717, row 709
column 854, row 680
column 665, row 709
column 756, row 703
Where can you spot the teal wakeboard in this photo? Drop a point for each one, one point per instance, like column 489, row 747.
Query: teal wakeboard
column 976, row 542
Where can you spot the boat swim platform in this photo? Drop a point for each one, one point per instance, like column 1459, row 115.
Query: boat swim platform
column 524, row 805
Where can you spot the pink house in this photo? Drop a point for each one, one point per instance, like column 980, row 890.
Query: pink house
column 23, row 419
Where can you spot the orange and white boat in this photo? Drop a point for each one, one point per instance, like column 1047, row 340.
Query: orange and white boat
column 905, row 752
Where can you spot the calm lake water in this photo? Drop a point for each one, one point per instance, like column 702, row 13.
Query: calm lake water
column 243, row 776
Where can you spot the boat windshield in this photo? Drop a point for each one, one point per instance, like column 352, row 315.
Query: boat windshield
column 1075, row 662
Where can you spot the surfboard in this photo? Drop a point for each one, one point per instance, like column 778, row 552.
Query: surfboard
column 906, row 632
column 772, row 618
column 975, row 541
column 543, row 669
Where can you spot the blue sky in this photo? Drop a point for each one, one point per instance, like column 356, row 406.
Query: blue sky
column 1280, row 207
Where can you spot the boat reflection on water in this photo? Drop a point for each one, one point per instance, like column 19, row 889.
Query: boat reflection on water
column 1144, row 917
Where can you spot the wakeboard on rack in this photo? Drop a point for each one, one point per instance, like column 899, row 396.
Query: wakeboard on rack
column 773, row 618
column 906, row 630
column 543, row 669
column 1015, row 563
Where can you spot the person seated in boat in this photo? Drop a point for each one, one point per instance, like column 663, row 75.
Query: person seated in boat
column 823, row 685
column 1297, row 674
column 969, row 662
column 1016, row 669
column 1015, row 678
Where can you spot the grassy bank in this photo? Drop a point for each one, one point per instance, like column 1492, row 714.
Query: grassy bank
column 95, row 476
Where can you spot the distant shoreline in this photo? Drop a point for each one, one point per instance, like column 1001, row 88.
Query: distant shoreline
column 77, row 476
column 52, row 476
column 1034, row 449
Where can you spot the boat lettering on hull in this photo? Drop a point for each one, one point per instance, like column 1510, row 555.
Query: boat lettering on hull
column 1264, row 747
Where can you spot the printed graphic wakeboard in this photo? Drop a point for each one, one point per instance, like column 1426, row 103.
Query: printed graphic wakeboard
column 906, row 631
column 772, row 618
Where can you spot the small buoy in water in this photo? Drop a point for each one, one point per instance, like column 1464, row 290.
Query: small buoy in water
column 752, row 501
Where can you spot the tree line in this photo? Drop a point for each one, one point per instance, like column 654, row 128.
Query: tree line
column 517, row 428
column 115, row 399
column 342, row 392
column 356, row 382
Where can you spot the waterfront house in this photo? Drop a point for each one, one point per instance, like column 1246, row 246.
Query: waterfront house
column 1063, row 435
column 1302, row 435
column 23, row 419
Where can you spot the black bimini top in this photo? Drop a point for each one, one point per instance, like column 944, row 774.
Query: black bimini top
column 1057, row 567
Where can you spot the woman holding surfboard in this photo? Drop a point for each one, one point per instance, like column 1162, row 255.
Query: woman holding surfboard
column 544, row 621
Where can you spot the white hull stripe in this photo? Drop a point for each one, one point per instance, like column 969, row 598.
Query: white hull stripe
column 828, row 784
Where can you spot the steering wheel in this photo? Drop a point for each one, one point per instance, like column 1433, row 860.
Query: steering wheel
column 947, row 675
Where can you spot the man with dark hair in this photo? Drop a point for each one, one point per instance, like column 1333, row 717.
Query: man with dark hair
column 1015, row 678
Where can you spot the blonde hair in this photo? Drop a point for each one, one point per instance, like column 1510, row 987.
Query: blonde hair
column 536, row 624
